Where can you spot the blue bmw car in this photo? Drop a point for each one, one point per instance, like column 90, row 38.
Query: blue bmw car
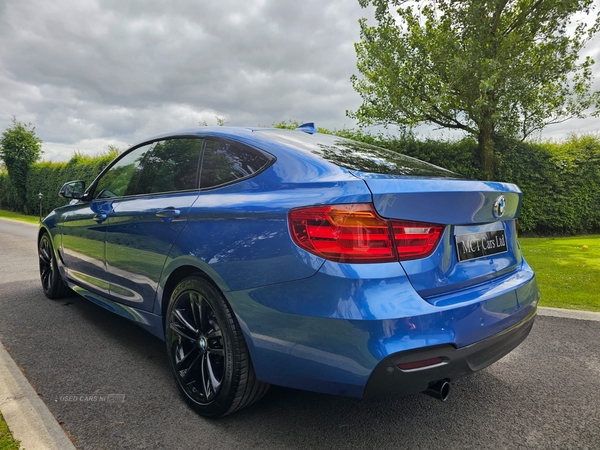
column 295, row 258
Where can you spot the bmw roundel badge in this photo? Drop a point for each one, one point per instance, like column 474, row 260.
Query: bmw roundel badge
column 499, row 206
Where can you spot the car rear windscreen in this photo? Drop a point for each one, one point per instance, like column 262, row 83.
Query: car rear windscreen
column 355, row 155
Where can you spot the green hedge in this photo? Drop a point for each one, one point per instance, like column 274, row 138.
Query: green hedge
column 560, row 181
column 48, row 177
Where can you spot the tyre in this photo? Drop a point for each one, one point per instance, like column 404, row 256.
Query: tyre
column 207, row 350
column 52, row 283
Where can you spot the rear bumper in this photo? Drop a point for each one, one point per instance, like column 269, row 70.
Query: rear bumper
column 387, row 379
column 330, row 333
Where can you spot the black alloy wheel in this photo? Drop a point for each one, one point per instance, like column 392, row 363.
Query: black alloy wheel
column 52, row 283
column 207, row 350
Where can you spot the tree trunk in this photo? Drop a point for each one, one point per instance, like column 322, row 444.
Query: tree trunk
column 486, row 151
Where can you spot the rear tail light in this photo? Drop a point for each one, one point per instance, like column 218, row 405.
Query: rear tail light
column 416, row 239
column 343, row 233
column 355, row 233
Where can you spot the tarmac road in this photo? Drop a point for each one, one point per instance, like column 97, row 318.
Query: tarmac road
column 544, row 395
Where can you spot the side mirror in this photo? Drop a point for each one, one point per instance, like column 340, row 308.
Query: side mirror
column 73, row 190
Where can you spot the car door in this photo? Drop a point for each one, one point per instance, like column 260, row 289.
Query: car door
column 83, row 224
column 144, row 225
column 82, row 244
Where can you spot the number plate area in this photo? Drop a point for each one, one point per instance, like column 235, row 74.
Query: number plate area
column 477, row 245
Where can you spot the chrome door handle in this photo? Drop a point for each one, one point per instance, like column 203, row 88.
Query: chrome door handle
column 168, row 213
column 99, row 218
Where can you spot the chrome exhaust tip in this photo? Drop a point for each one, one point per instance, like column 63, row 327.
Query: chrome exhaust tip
column 439, row 389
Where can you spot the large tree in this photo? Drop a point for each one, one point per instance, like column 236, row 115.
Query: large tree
column 19, row 149
column 492, row 68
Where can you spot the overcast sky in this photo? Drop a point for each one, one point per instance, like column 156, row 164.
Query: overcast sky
column 89, row 73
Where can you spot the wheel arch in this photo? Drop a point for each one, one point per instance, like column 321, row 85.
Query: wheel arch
column 185, row 268
column 177, row 270
column 176, row 276
column 45, row 230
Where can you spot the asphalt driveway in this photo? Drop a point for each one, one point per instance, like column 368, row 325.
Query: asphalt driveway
column 109, row 385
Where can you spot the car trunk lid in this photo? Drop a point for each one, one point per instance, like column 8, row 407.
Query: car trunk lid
column 479, row 243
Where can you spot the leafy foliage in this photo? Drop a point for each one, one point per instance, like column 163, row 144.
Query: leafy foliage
column 492, row 68
column 19, row 149
column 48, row 177
column 221, row 122
column 561, row 183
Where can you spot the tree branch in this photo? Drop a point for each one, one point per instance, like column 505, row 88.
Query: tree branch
column 497, row 15
column 454, row 120
column 522, row 18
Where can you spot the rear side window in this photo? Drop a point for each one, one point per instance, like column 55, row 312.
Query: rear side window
column 225, row 162
column 171, row 166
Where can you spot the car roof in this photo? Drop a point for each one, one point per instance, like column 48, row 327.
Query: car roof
column 306, row 146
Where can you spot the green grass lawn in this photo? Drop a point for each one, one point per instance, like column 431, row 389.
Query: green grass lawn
column 568, row 274
column 6, row 440
column 18, row 216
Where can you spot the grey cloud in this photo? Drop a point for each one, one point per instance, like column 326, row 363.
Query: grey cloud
column 108, row 56
column 114, row 70
column 93, row 72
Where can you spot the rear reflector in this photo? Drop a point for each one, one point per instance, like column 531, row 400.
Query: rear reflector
column 355, row 233
column 420, row 364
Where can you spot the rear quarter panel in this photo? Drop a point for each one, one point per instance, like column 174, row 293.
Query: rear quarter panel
column 241, row 231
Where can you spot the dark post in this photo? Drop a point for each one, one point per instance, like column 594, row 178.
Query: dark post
column 40, row 195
